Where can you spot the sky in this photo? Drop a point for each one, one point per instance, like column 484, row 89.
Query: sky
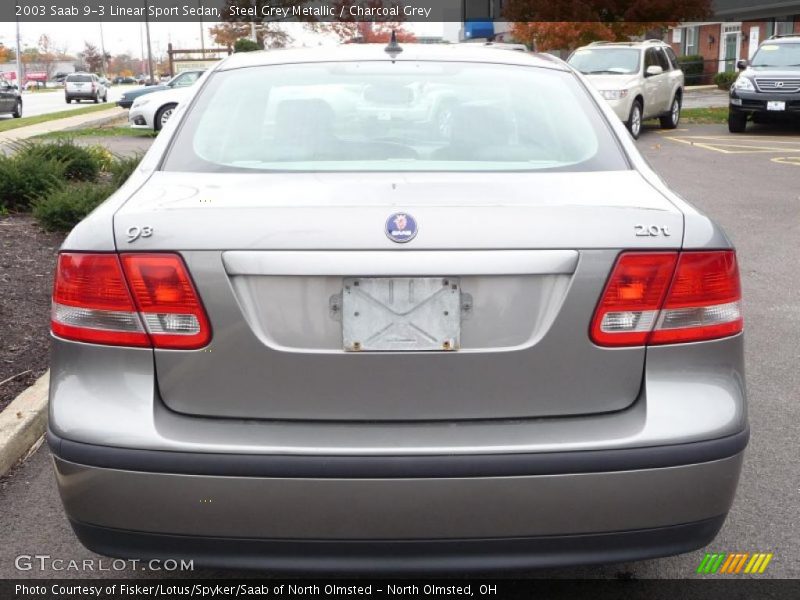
column 128, row 37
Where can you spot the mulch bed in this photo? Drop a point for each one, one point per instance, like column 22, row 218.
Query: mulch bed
column 27, row 260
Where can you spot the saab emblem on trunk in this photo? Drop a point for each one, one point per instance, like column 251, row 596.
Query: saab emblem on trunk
column 401, row 228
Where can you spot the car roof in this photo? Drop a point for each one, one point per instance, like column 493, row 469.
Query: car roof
column 469, row 52
column 788, row 38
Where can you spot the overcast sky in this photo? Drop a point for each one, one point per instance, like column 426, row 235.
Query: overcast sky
column 127, row 37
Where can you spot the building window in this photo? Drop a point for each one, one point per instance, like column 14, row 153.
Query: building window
column 690, row 40
column 784, row 26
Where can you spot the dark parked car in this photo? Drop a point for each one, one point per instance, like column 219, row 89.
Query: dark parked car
column 10, row 99
column 769, row 87
column 124, row 81
column 184, row 79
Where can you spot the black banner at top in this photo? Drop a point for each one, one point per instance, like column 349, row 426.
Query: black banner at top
column 656, row 11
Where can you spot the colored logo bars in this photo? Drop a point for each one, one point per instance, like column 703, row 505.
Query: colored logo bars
column 734, row 563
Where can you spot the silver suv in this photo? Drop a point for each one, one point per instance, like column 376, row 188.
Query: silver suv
column 84, row 86
column 640, row 80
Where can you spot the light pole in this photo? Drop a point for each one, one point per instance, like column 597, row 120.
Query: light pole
column 149, row 50
column 103, row 50
column 202, row 34
column 19, row 60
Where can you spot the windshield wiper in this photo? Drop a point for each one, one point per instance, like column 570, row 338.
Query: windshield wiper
column 604, row 71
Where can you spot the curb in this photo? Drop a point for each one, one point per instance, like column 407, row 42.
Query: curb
column 700, row 88
column 23, row 422
column 99, row 122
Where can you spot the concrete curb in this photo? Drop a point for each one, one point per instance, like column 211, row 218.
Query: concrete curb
column 64, row 123
column 23, row 422
column 700, row 88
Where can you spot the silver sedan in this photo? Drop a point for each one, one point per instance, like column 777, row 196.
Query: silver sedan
column 316, row 330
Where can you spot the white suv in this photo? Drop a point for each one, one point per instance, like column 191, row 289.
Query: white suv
column 84, row 86
column 640, row 80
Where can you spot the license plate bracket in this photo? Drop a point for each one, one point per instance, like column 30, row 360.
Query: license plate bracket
column 777, row 105
column 401, row 314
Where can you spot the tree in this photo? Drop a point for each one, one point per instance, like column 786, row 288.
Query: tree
column 7, row 54
column 269, row 35
column 245, row 45
column 548, row 25
column 349, row 29
column 91, row 57
column 48, row 55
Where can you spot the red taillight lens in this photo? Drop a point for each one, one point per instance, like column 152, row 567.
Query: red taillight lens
column 669, row 297
column 92, row 302
column 704, row 301
column 167, row 301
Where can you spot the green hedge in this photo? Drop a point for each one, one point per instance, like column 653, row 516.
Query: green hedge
column 725, row 80
column 64, row 208
column 59, row 180
column 23, row 179
column 692, row 64
column 80, row 164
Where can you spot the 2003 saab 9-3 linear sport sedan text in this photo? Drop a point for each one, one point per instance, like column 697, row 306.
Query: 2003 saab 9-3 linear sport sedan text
column 396, row 311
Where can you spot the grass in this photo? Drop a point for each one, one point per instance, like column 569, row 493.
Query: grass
column 9, row 124
column 704, row 116
column 99, row 132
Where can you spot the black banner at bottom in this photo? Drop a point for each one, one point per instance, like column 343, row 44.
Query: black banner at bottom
column 528, row 589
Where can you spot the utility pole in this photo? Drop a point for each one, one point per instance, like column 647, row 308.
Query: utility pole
column 103, row 50
column 19, row 60
column 202, row 33
column 149, row 50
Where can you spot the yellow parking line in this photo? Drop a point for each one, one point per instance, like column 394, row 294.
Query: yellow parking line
column 724, row 145
column 787, row 160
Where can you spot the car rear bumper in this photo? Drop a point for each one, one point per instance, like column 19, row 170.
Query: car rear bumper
column 415, row 556
column 393, row 513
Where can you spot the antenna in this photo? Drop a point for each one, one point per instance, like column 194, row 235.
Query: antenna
column 393, row 49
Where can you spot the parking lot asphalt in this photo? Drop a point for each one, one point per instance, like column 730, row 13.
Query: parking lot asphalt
column 750, row 184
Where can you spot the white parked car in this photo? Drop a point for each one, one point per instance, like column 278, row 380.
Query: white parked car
column 84, row 86
column 152, row 111
column 640, row 80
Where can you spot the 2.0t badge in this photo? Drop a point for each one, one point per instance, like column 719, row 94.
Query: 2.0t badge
column 401, row 228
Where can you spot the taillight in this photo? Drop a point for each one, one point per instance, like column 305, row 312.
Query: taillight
column 157, row 305
column 167, row 301
column 91, row 302
column 669, row 297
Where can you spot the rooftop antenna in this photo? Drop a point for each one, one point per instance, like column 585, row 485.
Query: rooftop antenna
column 393, row 49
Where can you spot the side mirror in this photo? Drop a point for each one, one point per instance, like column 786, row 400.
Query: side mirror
column 741, row 65
column 653, row 70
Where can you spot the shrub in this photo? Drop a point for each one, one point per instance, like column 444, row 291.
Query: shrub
column 693, row 67
column 123, row 167
column 245, row 45
column 64, row 208
column 725, row 79
column 26, row 178
column 80, row 164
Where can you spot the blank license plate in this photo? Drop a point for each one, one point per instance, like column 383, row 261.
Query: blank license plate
column 776, row 105
column 401, row 314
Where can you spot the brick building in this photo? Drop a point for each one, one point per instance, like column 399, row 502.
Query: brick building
column 737, row 29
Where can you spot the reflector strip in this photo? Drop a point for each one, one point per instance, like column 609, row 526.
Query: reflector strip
column 106, row 320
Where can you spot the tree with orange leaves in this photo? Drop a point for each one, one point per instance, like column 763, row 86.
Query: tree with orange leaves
column 349, row 29
column 548, row 25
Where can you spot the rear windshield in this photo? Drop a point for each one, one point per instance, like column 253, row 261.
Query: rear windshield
column 79, row 78
column 383, row 116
